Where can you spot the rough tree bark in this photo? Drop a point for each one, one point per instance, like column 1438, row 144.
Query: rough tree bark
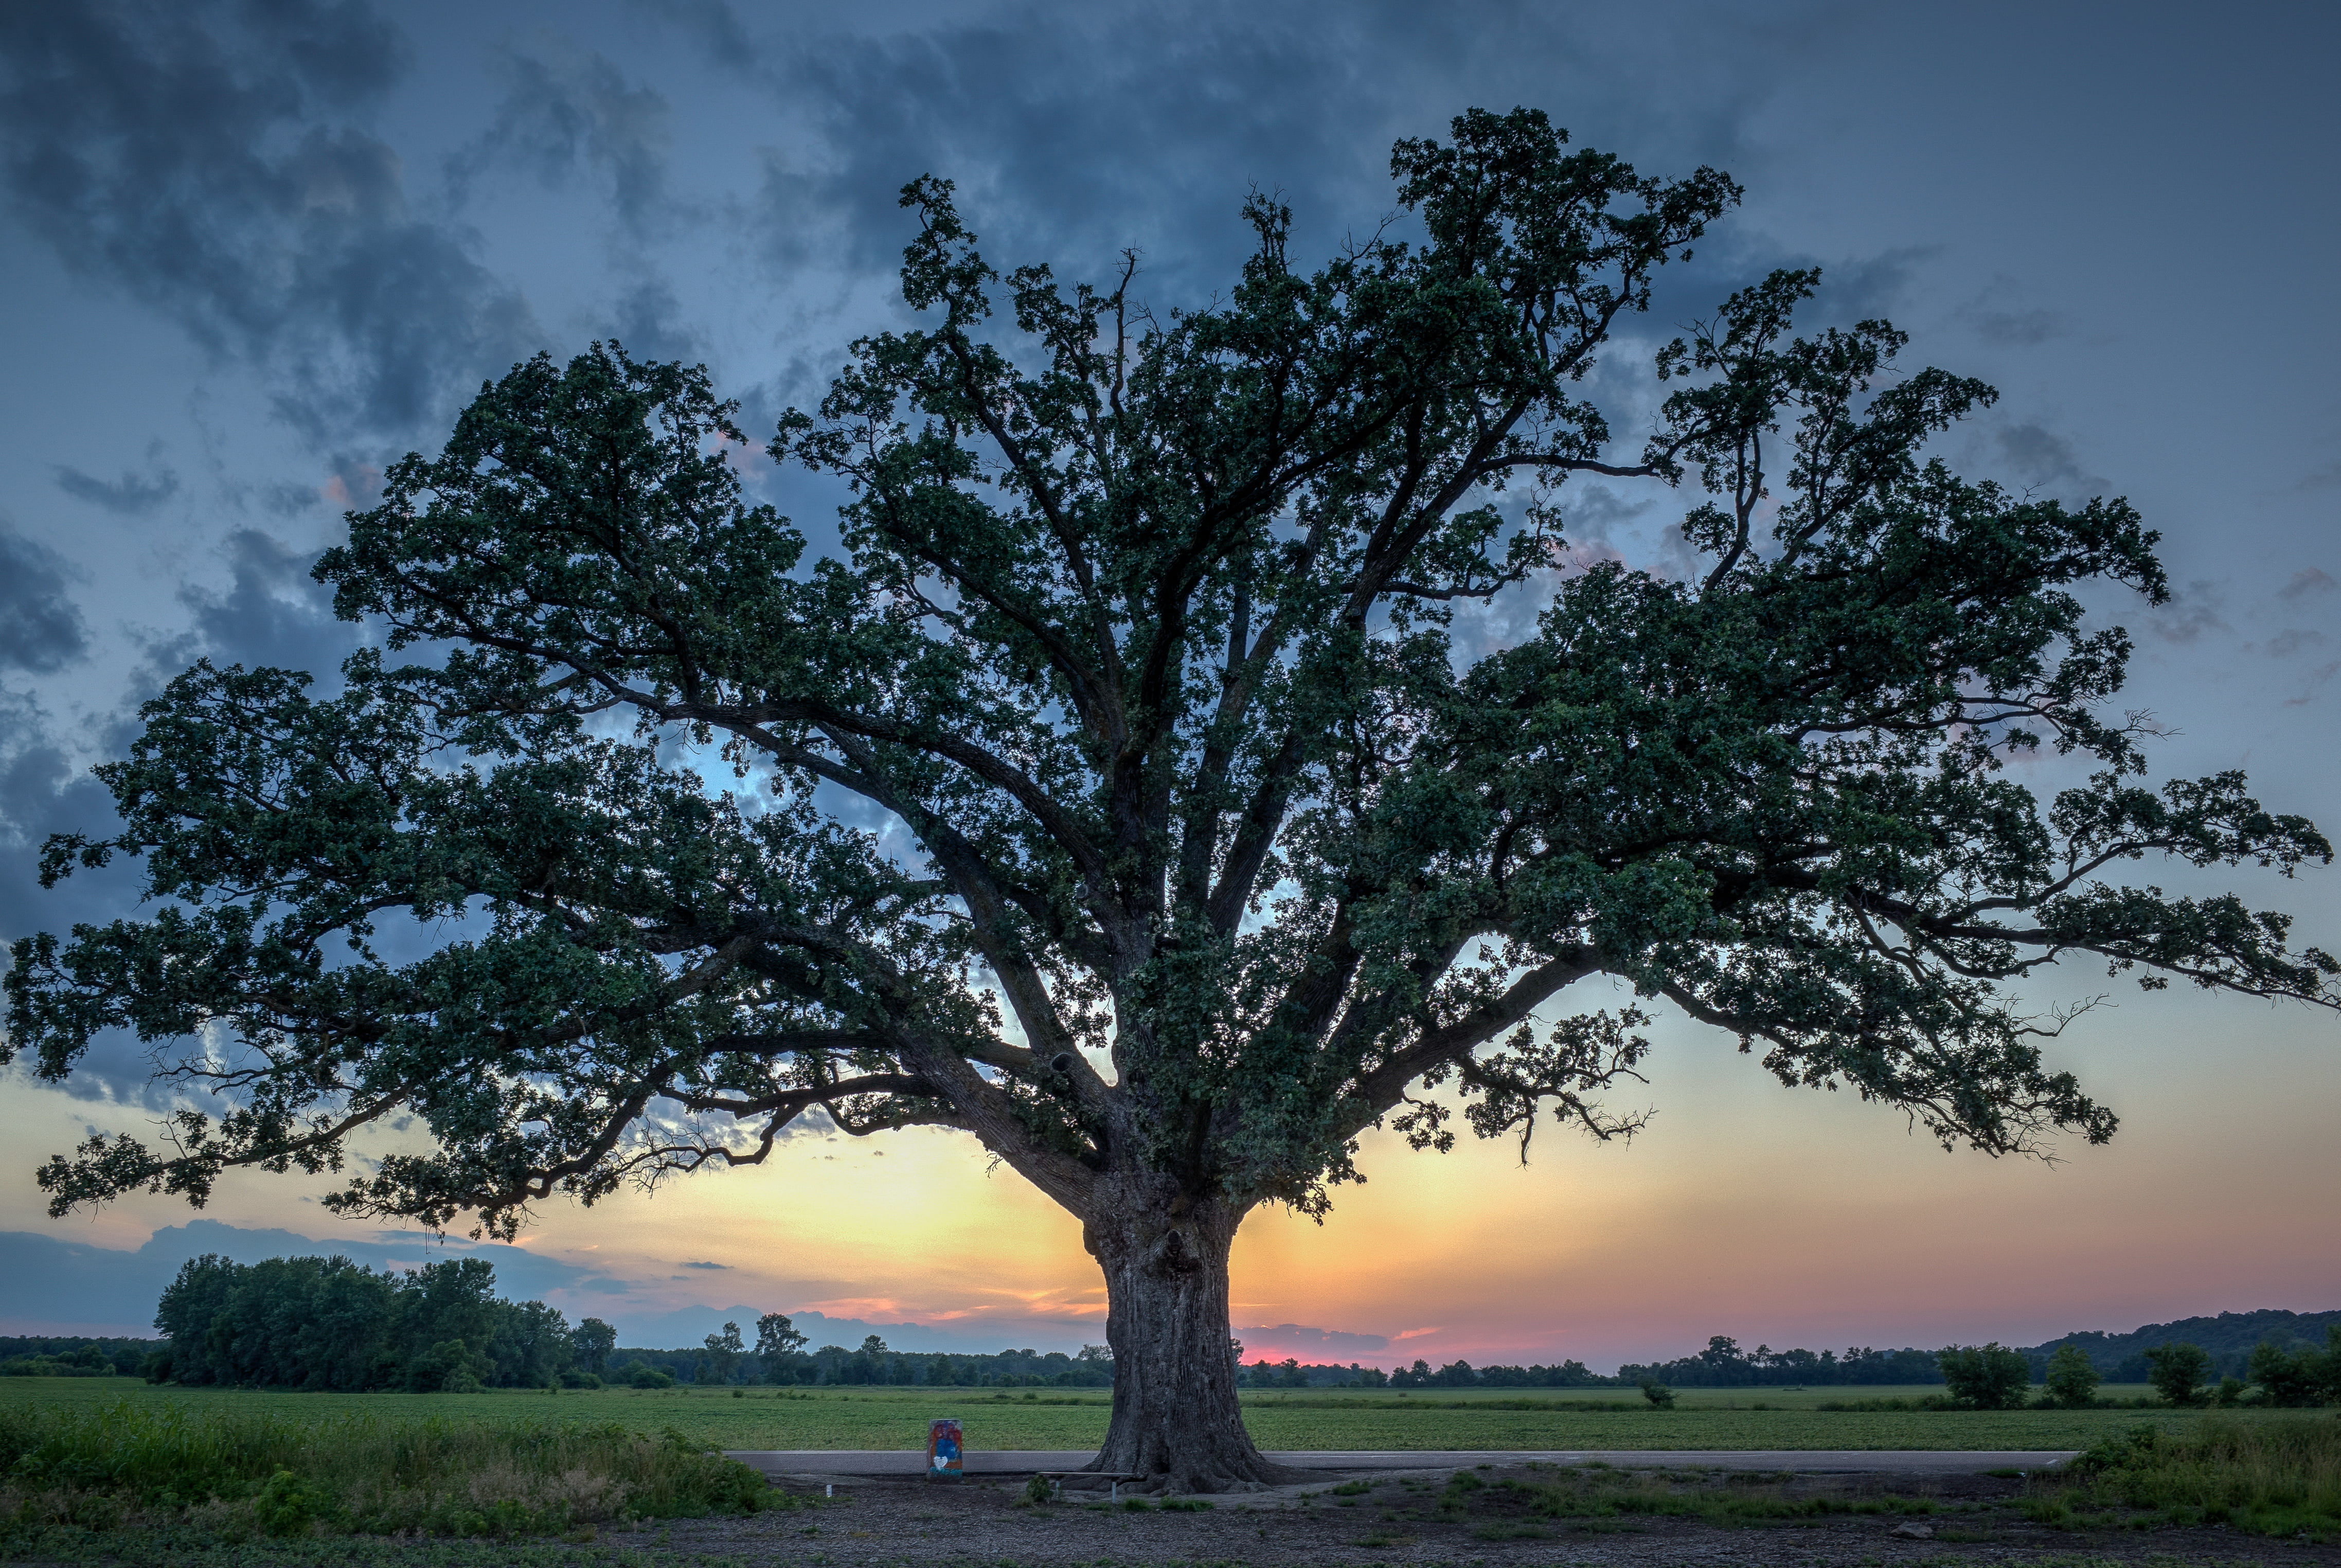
column 1176, row 1418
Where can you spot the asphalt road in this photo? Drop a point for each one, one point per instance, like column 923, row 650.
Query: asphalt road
column 1024, row 1461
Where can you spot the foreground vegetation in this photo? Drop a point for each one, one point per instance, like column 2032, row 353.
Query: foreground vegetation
column 2277, row 1476
column 165, row 1476
column 247, row 1471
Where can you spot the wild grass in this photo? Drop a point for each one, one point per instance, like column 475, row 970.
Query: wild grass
column 246, row 1474
column 2279, row 1476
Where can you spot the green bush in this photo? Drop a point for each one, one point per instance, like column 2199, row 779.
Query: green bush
column 130, row 1466
column 1658, row 1394
column 1985, row 1377
column 2275, row 1476
column 645, row 1375
column 2072, row 1377
column 2300, row 1377
column 2176, row 1371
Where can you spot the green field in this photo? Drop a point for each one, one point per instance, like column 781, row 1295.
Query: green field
column 761, row 1418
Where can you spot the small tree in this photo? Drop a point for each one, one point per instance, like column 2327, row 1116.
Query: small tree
column 1985, row 1377
column 724, row 1351
column 2176, row 1371
column 591, row 1342
column 2072, row 1378
column 1658, row 1394
column 2299, row 1377
column 1209, row 846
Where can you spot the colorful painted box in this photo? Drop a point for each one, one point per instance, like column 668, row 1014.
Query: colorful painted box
column 943, row 1449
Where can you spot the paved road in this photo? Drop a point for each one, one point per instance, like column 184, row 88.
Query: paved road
column 1023, row 1461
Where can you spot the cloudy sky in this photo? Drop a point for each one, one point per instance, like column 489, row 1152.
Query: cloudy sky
column 255, row 251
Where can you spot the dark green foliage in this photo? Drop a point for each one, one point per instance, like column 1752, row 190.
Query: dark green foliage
column 1724, row 1364
column 72, row 1356
column 84, row 1361
column 1658, row 1394
column 2230, row 1337
column 2302, row 1376
column 331, row 1323
column 589, row 1344
column 2279, row 1477
column 1985, row 1377
column 2177, row 1372
column 1145, row 649
column 128, row 1466
column 2071, row 1378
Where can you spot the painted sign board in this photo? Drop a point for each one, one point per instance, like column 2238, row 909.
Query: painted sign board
column 943, row 1450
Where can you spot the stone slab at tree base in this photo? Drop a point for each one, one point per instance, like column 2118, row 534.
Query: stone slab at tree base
column 1025, row 1461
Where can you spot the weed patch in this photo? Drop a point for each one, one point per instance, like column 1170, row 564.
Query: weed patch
column 246, row 1476
column 2272, row 1477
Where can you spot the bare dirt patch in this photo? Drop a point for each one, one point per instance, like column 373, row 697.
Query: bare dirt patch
column 1494, row 1515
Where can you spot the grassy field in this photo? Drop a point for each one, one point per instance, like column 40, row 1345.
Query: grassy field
column 896, row 1418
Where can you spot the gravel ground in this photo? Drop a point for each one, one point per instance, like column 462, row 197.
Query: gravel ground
column 1398, row 1520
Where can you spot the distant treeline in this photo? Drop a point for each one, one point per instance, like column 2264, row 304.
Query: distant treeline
column 71, row 1355
column 331, row 1323
column 1723, row 1364
column 327, row 1323
column 725, row 1358
column 2230, row 1338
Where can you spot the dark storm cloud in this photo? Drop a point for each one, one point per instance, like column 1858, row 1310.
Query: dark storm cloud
column 2000, row 316
column 1075, row 134
column 41, row 629
column 649, row 321
column 565, row 108
column 271, row 612
column 133, row 496
column 202, row 160
column 2192, row 611
column 2037, row 458
column 44, row 792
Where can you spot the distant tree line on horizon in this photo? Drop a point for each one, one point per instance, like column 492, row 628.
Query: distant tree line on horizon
column 1723, row 1364
column 327, row 1323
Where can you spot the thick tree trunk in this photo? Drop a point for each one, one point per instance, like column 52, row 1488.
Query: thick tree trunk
column 1175, row 1417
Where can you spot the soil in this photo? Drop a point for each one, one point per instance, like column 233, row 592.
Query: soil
column 1398, row 1518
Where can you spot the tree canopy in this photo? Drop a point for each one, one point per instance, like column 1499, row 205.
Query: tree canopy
column 1141, row 787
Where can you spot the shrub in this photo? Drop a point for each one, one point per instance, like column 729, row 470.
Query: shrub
column 645, row 1375
column 123, row 1466
column 1658, row 1394
column 2072, row 1377
column 2278, row 1477
column 2299, row 1377
column 574, row 1379
column 2176, row 1371
column 285, row 1507
column 1985, row 1377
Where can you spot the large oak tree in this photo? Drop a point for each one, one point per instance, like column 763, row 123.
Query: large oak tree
column 1136, row 791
